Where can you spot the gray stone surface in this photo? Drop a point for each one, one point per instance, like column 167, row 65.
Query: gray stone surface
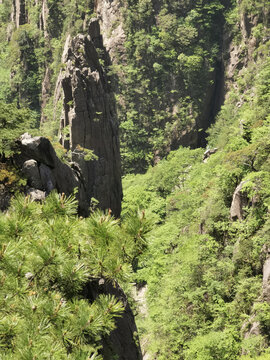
column 47, row 178
column 19, row 13
column 122, row 343
column 239, row 201
column 54, row 174
column 89, row 119
column 31, row 170
column 110, row 15
column 36, row 195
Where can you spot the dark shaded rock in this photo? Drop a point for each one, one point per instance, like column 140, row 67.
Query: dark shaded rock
column 52, row 173
column 94, row 32
column 31, row 171
column 89, row 120
column 239, row 201
column 123, row 341
column 19, row 14
column 47, row 178
column 5, row 197
column 38, row 148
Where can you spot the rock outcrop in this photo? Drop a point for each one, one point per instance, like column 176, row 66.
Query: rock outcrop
column 19, row 14
column 46, row 172
column 111, row 23
column 253, row 327
column 208, row 153
column 89, row 122
column 123, row 342
column 236, row 56
column 239, row 201
column 266, row 274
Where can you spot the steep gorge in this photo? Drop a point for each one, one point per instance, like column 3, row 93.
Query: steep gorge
column 162, row 71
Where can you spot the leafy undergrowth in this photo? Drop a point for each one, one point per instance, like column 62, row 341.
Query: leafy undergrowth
column 203, row 270
column 47, row 257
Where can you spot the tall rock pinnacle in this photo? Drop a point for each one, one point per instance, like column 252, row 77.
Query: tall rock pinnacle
column 89, row 120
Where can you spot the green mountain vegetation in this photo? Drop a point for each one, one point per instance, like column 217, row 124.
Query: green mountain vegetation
column 49, row 257
column 173, row 50
column 204, row 268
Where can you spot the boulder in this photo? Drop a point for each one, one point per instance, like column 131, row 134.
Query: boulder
column 31, row 170
column 47, row 178
column 46, row 172
column 208, row 153
column 36, row 195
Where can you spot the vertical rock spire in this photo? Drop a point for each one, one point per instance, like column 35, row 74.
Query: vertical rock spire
column 89, row 120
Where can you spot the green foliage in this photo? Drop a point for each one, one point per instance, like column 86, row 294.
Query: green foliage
column 13, row 123
column 215, row 345
column 48, row 256
column 203, row 270
column 163, row 85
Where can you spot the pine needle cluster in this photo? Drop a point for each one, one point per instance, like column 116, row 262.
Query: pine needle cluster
column 47, row 257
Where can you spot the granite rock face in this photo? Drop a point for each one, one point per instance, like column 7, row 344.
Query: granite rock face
column 239, row 201
column 89, row 122
column 122, row 343
column 46, row 172
column 111, row 24
column 19, row 14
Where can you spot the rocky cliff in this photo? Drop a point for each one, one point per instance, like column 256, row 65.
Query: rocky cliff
column 111, row 23
column 19, row 14
column 89, row 122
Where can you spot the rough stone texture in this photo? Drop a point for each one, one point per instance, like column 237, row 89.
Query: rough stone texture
column 111, row 23
column 252, row 327
column 122, row 341
column 31, row 170
column 18, row 15
column 89, row 119
column 45, row 92
column 208, row 153
column 266, row 273
column 237, row 56
column 43, row 17
column 36, row 195
column 46, row 172
column 239, row 201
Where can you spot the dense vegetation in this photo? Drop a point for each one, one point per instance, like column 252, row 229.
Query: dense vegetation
column 203, row 270
column 49, row 257
column 172, row 50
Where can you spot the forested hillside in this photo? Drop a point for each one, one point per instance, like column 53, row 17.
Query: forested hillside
column 206, row 267
column 175, row 93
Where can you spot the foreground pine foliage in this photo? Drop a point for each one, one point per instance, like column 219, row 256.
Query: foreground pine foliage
column 47, row 256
